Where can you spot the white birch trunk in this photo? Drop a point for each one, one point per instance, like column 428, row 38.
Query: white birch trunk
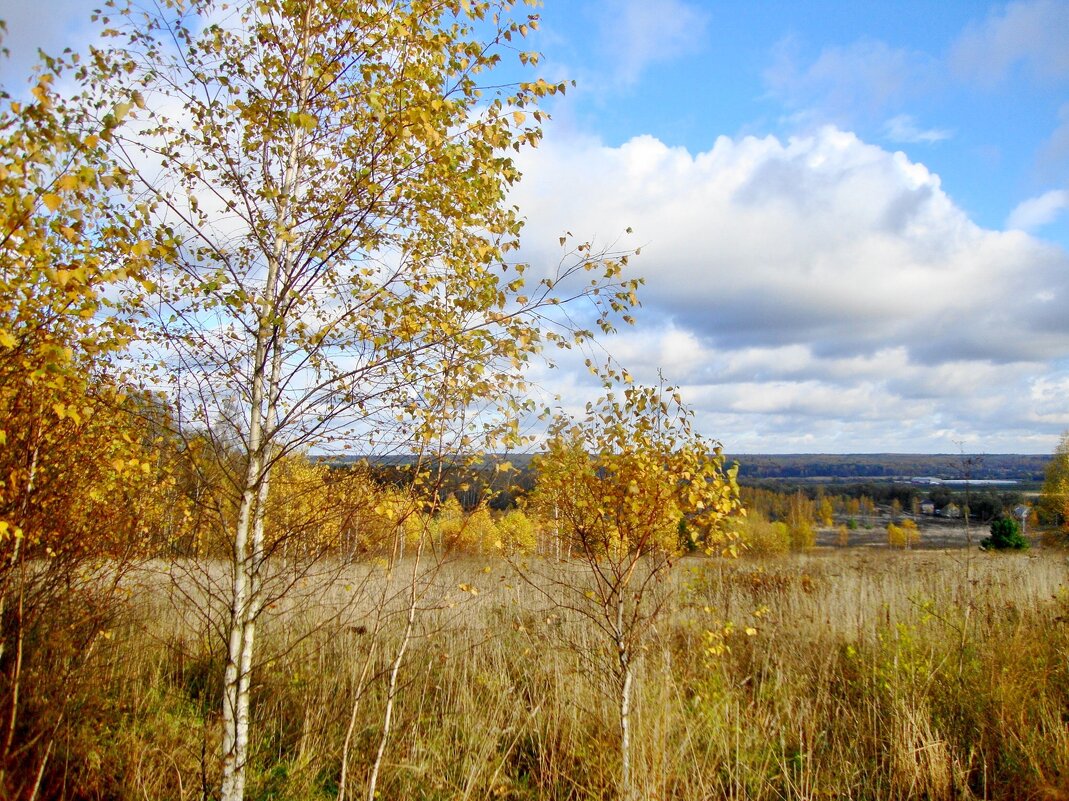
column 242, row 629
column 248, row 553
column 625, row 679
column 395, row 669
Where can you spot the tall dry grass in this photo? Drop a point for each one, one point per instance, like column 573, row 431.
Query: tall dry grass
column 871, row 676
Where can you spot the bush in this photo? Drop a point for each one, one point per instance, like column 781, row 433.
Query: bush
column 516, row 533
column 763, row 538
column 1005, row 536
column 802, row 535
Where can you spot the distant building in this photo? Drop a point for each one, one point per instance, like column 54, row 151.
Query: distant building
column 925, row 481
column 927, row 507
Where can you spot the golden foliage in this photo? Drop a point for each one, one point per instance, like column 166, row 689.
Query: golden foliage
column 903, row 535
column 761, row 537
column 619, row 482
column 517, row 533
column 1054, row 500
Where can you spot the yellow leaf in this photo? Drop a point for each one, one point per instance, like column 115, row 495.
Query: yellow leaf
column 7, row 339
column 52, row 200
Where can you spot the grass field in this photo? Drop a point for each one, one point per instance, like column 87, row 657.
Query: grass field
column 871, row 675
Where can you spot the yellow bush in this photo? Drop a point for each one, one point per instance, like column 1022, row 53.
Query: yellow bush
column 763, row 538
column 516, row 533
column 475, row 532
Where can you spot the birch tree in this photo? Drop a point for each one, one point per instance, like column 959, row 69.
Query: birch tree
column 1054, row 499
column 332, row 178
column 617, row 483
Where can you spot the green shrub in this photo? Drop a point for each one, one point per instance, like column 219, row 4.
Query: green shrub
column 1005, row 536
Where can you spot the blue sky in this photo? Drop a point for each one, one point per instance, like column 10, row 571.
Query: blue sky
column 854, row 217
column 975, row 91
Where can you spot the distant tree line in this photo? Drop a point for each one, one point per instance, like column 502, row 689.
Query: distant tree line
column 1022, row 467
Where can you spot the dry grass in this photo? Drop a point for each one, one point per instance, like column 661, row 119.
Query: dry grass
column 871, row 676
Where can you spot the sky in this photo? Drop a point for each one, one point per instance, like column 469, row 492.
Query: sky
column 853, row 217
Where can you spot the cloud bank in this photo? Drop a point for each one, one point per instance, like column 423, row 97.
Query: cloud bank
column 819, row 284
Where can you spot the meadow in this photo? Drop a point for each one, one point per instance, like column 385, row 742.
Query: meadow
column 838, row 673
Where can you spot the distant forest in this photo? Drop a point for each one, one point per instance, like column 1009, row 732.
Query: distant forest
column 946, row 466
column 472, row 484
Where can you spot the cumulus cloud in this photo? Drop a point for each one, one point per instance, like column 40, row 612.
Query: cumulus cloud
column 1029, row 32
column 638, row 33
column 1038, row 211
column 818, row 279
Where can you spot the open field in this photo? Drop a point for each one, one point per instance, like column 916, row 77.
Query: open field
column 935, row 534
column 872, row 675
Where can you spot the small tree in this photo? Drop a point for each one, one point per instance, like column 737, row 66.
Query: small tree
column 903, row 535
column 844, row 535
column 826, row 510
column 1054, row 500
column 617, row 483
column 896, row 509
column 1005, row 536
column 800, row 522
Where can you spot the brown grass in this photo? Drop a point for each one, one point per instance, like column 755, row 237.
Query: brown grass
column 871, row 676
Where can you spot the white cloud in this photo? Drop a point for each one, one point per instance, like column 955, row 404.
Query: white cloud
column 903, row 128
column 50, row 26
column 1038, row 211
column 1030, row 32
column 638, row 33
column 848, row 82
column 1048, row 394
column 818, row 283
column 765, row 241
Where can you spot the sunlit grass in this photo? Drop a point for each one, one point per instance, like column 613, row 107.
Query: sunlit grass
column 870, row 675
